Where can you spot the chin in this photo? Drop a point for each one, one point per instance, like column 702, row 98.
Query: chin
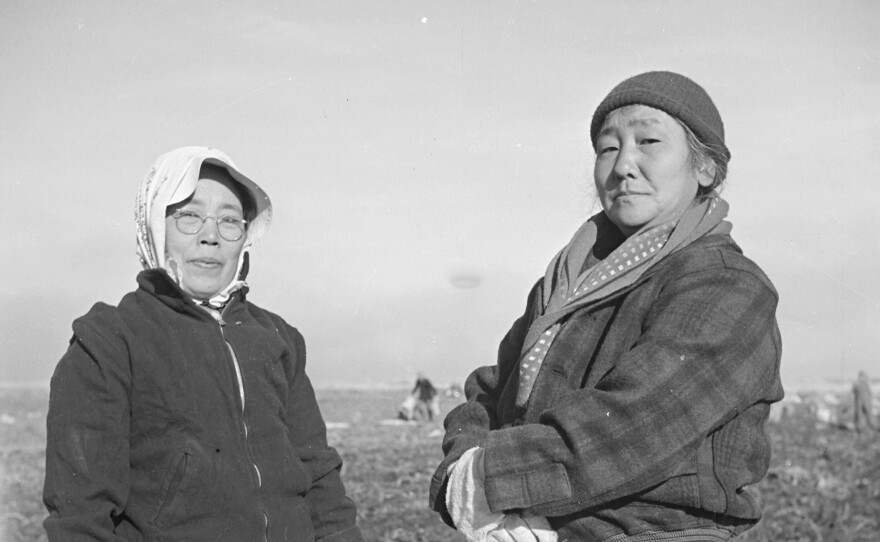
column 205, row 287
column 627, row 221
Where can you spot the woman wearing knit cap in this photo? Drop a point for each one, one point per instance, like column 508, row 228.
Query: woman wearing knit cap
column 184, row 413
column 628, row 403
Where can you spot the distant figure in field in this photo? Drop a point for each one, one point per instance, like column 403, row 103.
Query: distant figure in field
column 185, row 412
column 863, row 405
column 406, row 410
column 426, row 397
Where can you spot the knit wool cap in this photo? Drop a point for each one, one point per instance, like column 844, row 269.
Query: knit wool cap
column 672, row 93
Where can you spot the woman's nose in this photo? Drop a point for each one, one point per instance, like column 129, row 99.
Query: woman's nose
column 625, row 164
column 210, row 233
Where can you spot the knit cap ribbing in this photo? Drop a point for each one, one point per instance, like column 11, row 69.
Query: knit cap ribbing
column 672, row 93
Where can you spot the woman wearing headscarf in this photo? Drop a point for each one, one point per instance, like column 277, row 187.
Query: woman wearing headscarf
column 629, row 402
column 184, row 413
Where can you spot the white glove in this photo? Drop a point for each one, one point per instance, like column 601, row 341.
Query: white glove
column 523, row 528
column 466, row 498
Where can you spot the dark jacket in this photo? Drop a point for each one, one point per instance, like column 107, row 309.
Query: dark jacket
column 648, row 413
column 424, row 389
column 148, row 438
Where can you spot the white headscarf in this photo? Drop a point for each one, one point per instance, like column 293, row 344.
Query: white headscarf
column 172, row 179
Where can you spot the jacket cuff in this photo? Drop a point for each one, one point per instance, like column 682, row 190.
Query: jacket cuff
column 521, row 486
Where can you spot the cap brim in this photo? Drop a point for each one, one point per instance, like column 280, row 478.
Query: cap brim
column 259, row 224
column 258, row 196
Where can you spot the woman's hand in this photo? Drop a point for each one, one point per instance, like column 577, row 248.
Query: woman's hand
column 466, row 498
column 523, row 528
column 469, row 509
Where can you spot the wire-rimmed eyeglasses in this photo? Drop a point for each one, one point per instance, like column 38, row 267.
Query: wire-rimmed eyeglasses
column 192, row 222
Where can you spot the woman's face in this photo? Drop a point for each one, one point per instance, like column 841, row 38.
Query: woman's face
column 207, row 262
column 643, row 173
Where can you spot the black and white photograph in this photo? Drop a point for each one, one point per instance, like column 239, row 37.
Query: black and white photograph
column 440, row 271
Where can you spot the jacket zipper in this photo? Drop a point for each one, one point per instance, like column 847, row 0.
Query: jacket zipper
column 218, row 316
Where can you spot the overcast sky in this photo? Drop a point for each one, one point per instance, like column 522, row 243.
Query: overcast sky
column 426, row 160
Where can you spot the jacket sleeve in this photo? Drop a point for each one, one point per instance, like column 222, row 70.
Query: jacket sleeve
column 468, row 425
column 87, row 428
column 333, row 513
column 708, row 349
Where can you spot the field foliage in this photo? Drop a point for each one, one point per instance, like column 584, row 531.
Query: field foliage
column 824, row 482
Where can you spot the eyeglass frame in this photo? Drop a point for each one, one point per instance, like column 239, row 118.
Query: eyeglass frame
column 180, row 213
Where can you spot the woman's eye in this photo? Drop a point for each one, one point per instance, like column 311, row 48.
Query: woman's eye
column 649, row 141
column 607, row 150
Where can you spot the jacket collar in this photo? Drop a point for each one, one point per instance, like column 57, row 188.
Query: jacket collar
column 158, row 284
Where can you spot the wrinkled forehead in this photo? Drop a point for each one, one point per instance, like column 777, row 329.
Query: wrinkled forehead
column 638, row 116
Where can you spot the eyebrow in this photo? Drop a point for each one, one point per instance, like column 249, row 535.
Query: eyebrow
column 224, row 207
column 230, row 207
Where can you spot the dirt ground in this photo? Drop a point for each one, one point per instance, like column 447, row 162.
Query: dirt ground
column 823, row 484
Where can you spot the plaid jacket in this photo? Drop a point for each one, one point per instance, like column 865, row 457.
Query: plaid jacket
column 648, row 413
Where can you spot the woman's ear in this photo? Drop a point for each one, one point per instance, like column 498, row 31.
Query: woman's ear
column 706, row 173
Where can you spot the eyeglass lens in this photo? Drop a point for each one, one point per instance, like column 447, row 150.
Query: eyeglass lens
column 190, row 223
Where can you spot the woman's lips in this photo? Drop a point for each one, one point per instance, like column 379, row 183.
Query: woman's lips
column 206, row 263
column 627, row 196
